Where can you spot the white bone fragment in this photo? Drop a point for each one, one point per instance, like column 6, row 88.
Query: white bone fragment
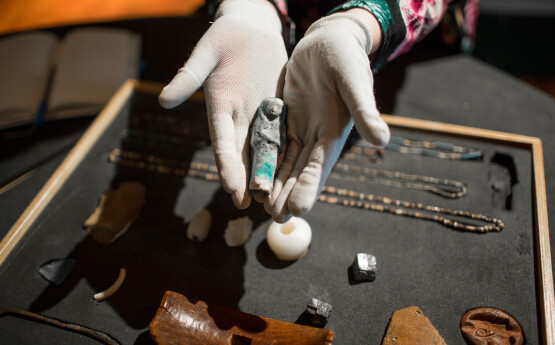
column 101, row 296
column 238, row 231
column 199, row 226
column 289, row 241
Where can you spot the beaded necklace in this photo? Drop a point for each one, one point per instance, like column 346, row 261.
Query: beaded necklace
column 448, row 189
column 330, row 194
column 436, row 149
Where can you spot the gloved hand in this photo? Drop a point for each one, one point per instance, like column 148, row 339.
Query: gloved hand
column 238, row 62
column 328, row 84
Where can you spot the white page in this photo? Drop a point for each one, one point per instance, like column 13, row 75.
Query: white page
column 93, row 64
column 25, row 64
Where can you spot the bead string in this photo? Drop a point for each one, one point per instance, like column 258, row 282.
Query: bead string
column 338, row 196
column 425, row 148
column 362, row 174
column 162, row 165
column 388, row 205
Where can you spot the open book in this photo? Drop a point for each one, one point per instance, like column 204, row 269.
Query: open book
column 43, row 78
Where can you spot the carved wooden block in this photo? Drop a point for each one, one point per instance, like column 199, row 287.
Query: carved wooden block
column 180, row 320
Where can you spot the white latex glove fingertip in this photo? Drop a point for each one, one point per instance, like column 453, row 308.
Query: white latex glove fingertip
column 241, row 201
column 182, row 86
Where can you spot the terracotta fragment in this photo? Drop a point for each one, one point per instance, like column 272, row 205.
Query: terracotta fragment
column 117, row 209
column 180, row 320
column 409, row 326
column 490, row 326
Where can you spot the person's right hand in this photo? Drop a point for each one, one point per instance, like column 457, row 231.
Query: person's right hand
column 238, row 62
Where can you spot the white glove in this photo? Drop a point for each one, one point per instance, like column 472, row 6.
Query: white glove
column 238, row 62
column 328, row 84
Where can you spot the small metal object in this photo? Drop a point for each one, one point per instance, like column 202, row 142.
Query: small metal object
column 72, row 327
column 364, row 268
column 319, row 310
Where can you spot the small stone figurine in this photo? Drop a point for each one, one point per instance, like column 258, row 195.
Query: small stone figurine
column 267, row 141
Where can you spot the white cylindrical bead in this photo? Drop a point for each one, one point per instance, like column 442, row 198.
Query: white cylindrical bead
column 199, row 226
column 289, row 241
column 238, row 231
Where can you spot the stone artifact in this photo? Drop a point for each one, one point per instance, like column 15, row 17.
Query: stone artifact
column 485, row 326
column 409, row 326
column 319, row 310
column 364, row 268
column 267, row 140
column 238, row 231
column 117, row 209
column 180, row 320
column 199, row 226
column 289, row 241
column 101, row 296
column 56, row 271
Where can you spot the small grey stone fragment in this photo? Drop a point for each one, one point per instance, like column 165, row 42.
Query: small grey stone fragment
column 56, row 271
column 319, row 310
column 364, row 268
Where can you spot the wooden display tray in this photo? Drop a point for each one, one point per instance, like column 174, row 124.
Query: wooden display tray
column 544, row 278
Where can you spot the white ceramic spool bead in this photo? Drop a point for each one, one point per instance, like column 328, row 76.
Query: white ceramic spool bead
column 289, row 241
column 238, row 231
column 199, row 226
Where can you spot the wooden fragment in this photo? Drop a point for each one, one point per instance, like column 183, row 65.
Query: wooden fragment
column 180, row 320
column 117, row 209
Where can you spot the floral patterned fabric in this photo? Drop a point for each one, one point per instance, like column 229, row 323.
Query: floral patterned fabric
column 403, row 22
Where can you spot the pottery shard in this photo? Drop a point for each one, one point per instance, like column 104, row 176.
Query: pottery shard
column 117, row 209
column 409, row 326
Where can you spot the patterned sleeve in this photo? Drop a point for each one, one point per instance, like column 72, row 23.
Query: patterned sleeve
column 403, row 23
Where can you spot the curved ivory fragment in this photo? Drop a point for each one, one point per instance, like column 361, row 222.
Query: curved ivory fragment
column 101, row 296
column 199, row 226
column 289, row 241
column 238, row 231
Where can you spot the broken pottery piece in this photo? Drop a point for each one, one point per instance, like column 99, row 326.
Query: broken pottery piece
column 364, row 268
column 56, row 271
column 238, row 231
column 199, row 226
column 484, row 326
column 180, row 320
column 289, row 241
column 267, row 140
column 409, row 326
column 117, row 209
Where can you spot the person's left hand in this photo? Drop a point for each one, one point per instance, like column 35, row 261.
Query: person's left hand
column 328, row 85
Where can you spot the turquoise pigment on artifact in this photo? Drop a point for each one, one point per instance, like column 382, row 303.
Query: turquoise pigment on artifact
column 267, row 168
column 267, row 141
